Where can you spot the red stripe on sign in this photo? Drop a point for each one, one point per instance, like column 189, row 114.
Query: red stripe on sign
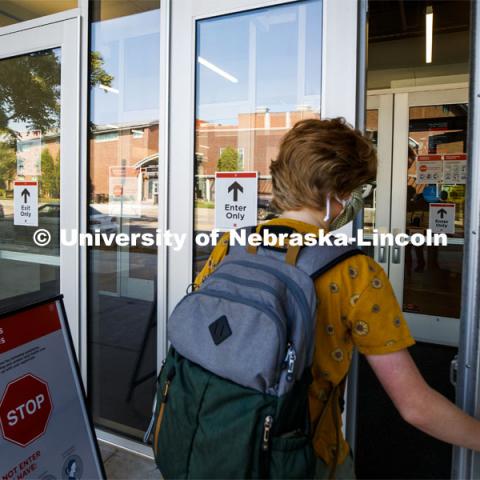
column 445, row 205
column 32, row 184
column 28, row 325
column 236, row 174
column 458, row 156
column 429, row 158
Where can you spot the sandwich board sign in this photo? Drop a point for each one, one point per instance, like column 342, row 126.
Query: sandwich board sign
column 442, row 217
column 45, row 430
column 235, row 199
column 25, row 200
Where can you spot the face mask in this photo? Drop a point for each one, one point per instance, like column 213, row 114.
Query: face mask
column 351, row 206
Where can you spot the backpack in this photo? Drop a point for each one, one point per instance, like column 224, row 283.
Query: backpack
column 232, row 394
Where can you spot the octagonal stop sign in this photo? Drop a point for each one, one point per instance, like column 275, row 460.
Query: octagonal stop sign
column 25, row 409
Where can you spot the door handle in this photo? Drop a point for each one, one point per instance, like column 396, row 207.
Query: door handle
column 396, row 254
column 382, row 254
column 454, row 370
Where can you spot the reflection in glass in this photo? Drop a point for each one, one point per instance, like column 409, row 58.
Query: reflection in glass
column 13, row 11
column 29, row 153
column 248, row 96
column 123, row 199
column 369, row 218
column 437, row 144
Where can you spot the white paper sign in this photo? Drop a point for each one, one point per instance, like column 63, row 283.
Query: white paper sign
column 25, row 199
column 455, row 169
column 235, row 199
column 429, row 169
column 442, row 217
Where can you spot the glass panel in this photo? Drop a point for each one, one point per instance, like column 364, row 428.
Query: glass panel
column 248, row 96
column 14, row 11
column 29, row 155
column 436, row 182
column 124, row 113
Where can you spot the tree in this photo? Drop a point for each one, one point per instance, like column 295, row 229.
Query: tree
column 228, row 161
column 8, row 165
column 30, row 90
column 50, row 179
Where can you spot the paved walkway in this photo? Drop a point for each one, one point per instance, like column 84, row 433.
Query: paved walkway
column 123, row 465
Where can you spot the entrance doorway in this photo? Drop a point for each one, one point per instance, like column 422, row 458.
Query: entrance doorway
column 39, row 158
column 420, row 134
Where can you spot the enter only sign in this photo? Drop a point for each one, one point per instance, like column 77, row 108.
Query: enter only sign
column 235, row 199
column 442, row 217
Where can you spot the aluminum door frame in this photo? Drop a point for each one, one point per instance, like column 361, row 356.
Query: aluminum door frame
column 384, row 104
column 427, row 328
column 338, row 98
column 60, row 31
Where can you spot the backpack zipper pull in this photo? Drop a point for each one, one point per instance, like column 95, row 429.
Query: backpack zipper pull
column 170, row 376
column 267, row 426
column 290, row 361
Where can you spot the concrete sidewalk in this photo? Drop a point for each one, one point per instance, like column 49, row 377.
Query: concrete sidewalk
column 122, row 465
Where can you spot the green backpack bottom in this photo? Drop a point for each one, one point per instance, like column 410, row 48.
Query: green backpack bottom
column 209, row 427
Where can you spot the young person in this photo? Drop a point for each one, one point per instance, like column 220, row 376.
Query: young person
column 319, row 165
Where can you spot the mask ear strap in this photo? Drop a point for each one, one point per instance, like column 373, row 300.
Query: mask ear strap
column 326, row 218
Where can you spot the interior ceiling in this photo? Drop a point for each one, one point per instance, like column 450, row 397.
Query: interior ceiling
column 13, row 11
column 397, row 19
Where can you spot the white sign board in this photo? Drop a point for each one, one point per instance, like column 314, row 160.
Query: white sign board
column 442, row 217
column 45, row 429
column 429, row 169
column 25, row 199
column 455, row 169
column 235, row 199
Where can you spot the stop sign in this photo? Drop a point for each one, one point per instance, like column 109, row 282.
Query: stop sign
column 25, row 409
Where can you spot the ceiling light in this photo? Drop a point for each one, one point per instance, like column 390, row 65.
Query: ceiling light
column 217, row 70
column 429, row 34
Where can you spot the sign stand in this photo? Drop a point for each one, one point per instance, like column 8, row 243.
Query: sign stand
column 45, row 429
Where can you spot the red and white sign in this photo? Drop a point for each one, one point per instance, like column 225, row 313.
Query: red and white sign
column 123, row 189
column 455, row 169
column 236, row 195
column 429, row 169
column 25, row 409
column 25, row 204
column 44, row 426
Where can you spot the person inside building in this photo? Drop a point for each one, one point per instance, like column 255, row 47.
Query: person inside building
column 319, row 165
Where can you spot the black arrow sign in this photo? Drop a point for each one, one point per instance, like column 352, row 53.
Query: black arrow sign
column 236, row 187
column 442, row 212
column 25, row 194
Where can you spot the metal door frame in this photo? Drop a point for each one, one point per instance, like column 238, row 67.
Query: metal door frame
column 338, row 98
column 60, row 30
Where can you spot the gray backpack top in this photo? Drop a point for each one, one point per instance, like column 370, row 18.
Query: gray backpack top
column 252, row 320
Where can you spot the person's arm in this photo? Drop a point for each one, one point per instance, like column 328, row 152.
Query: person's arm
column 422, row 406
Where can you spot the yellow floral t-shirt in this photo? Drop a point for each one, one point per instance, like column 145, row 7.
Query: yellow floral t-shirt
column 356, row 308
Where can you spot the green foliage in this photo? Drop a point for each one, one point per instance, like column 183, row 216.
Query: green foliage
column 98, row 76
column 228, row 161
column 50, row 179
column 8, row 165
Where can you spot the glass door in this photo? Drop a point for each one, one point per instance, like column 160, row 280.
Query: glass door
column 39, row 182
column 242, row 76
column 429, row 172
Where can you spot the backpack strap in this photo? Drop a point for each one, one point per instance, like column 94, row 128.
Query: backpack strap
column 317, row 260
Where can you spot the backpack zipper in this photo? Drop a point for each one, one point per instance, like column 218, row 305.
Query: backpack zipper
column 290, row 360
column 267, row 427
column 161, row 412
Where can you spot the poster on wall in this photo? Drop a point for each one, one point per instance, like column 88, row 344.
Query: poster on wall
column 455, row 168
column 429, row 169
column 123, row 192
column 45, row 431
